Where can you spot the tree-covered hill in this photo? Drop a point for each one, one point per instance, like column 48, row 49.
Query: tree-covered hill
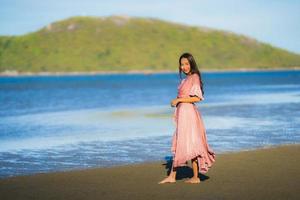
column 122, row 43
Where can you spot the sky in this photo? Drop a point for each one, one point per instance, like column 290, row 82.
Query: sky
column 276, row 22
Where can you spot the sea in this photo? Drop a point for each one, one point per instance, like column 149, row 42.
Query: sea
column 67, row 122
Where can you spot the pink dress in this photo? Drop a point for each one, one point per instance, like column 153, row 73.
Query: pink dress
column 189, row 139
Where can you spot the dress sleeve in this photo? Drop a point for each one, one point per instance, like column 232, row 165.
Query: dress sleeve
column 195, row 88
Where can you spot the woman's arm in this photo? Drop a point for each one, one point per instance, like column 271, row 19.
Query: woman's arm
column 185, row 100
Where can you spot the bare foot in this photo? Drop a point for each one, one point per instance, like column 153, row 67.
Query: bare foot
column 167, row 180
column 193, row 180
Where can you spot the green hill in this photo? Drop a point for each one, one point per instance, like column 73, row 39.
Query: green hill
column 123, row 43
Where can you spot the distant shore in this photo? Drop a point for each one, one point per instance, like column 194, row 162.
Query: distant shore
column 266, row 173
column 16, row 73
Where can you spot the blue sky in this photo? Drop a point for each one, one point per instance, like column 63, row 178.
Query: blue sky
column 271, row 21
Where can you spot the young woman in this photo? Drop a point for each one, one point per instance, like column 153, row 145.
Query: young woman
column 189, row 140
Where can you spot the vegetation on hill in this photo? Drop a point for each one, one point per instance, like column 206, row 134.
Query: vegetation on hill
column 86, row 44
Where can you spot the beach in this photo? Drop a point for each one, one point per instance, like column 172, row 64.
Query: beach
column 13, row 73
column 57, row 141
column 265, row 173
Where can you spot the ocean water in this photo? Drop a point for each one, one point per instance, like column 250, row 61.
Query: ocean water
column 58, row 123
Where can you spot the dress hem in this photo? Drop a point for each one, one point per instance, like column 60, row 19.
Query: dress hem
column 202, row 160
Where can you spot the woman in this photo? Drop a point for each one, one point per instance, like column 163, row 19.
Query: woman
column 189, row 140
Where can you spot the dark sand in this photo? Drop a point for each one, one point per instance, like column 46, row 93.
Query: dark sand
column 268, row 174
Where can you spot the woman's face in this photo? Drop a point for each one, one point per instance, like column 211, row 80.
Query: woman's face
column 185, row 65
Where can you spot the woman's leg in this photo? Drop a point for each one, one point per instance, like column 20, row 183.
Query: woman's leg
column 195, row 178
column 195, row 167
column 171, row 178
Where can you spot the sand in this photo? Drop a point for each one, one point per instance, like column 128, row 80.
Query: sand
column 270, row 173
column 13, row 73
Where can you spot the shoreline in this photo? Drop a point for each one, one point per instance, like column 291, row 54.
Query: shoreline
column 12, row 73
column 267, row 173
column 231, row 152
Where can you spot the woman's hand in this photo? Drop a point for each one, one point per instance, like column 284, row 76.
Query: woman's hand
column 174, row 102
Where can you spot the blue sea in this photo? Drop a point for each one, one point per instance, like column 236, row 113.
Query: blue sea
column 60, row 123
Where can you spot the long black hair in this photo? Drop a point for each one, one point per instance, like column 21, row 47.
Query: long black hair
column 194, row 68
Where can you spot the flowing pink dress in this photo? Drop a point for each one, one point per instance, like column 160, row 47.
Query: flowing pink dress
column 189, row 139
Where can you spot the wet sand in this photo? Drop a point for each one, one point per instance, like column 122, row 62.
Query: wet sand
column 271, row 173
